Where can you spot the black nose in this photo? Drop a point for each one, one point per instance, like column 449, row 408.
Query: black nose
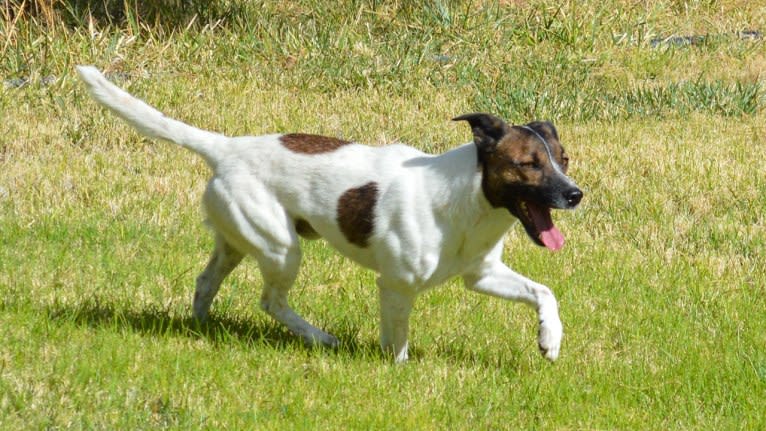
column 573, row 197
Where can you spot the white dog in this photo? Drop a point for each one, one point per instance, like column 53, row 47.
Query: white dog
column 416, row 219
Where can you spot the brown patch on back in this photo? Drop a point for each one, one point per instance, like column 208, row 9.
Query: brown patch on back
column 311, row 144
column 356, row 213
column 304, row 229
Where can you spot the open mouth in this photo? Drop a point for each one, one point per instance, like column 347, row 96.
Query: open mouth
column 539, row 225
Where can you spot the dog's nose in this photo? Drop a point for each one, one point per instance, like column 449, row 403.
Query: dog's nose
column 573, row 197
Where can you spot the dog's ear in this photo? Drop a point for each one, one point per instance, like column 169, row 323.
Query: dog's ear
column 487, row 130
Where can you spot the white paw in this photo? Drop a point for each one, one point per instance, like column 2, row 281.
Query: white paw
column 318, row 337
column 549, row 337
column 399, row 356
column 200, row 307
column 403, row 354
column 331, row 341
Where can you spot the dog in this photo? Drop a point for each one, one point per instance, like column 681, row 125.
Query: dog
column 414, row 218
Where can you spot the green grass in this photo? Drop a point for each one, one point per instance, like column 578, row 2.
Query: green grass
column 661, row 283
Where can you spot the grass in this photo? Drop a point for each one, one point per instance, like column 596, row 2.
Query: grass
column 661, row 283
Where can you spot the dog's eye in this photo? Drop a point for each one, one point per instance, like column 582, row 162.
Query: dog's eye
column 529, row 164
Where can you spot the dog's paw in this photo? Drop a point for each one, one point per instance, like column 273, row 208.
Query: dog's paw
column 201, row 307
column 199, row 315
column 549, row 338
column 331, row 341
column 319, row 338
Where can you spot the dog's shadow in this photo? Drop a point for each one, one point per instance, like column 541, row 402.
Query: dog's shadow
column 218, row 329
column 257, row 333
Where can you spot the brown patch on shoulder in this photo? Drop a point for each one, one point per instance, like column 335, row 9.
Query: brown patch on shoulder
column 356, row 213
column 304, row 229
column 311, row 144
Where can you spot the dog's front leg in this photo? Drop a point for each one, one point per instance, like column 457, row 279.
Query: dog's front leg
column 496, row 279
column 395, row 306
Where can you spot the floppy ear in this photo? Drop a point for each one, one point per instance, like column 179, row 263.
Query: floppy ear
column 487, row 130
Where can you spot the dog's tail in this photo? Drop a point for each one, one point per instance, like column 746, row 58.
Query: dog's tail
column 150, row 121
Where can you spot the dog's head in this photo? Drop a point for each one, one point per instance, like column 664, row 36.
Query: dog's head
column 524, row 170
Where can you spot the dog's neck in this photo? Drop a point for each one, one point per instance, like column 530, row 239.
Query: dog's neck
column 458, row 175
column 458, row 201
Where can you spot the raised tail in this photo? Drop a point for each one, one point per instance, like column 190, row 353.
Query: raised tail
column 150, row 121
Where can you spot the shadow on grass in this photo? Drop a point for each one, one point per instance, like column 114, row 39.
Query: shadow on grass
column 226, row 330
column 218, row 329
column 465, row 355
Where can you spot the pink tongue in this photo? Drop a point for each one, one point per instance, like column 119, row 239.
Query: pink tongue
column 549, row 235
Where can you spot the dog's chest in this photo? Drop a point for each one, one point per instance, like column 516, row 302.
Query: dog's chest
column 432, row 250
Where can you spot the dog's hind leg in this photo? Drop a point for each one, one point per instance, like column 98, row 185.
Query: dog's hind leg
column 254, row 222
column 279, row 273
column 223, row 260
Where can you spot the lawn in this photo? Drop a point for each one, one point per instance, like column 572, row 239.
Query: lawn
column 661, row 106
